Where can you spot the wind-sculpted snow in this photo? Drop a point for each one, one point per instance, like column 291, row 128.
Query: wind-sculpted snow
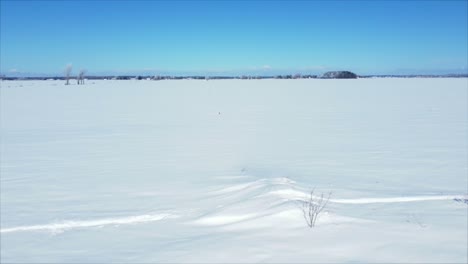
column 398, row 199
column 280, row 195
column 292, row 194
column 68, row 225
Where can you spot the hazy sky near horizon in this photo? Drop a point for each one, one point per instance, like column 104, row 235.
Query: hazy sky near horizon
column 233, row 37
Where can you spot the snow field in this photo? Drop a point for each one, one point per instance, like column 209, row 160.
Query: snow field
column 215, row 171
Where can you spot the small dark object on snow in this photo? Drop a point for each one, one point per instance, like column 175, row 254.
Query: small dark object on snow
column 461, row 200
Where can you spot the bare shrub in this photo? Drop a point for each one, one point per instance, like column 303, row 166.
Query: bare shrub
column 81, row 76
column 312, row 207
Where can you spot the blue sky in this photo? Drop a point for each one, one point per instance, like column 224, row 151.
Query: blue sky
column 233, row 37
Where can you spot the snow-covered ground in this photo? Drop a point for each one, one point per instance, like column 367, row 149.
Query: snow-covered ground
column 215, row 171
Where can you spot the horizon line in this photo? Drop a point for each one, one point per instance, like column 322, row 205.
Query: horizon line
column 242, row 76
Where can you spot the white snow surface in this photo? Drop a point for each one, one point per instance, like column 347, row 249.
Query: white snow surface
column 216, row 171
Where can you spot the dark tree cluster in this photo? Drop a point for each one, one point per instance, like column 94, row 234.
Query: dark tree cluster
column 339, row 75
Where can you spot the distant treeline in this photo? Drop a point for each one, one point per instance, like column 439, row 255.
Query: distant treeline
column 156, row 78
column 243, row 77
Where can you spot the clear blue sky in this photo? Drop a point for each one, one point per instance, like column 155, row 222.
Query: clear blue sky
column 233, row 37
